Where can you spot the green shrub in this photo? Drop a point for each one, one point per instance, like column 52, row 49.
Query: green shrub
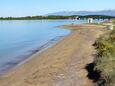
column 105, row 60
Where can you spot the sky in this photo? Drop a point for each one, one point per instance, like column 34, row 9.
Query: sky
column 42, row 7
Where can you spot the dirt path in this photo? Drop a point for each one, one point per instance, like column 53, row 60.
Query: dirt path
column 62, row 65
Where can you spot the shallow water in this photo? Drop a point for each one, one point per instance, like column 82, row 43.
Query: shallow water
column 20, row 39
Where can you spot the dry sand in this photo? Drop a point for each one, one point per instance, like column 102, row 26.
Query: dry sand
column 62, row 65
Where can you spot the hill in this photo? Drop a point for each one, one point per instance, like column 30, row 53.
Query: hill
column 84, row 13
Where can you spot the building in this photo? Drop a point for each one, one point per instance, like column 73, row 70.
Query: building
column 77, row 18
column 90, row 20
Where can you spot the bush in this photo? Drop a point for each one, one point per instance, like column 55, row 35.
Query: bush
column 105, row 60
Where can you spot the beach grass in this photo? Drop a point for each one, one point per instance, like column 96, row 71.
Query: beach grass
column 105, row 59
column 114, row 21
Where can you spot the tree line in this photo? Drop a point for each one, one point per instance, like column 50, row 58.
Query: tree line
column 57, row 17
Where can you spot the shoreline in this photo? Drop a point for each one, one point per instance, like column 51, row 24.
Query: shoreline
column 61, row 65
column 37, row 51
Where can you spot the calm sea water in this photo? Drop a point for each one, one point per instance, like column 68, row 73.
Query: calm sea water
column 20, row 39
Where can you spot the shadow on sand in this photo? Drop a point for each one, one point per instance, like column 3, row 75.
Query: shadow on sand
column 94, row 75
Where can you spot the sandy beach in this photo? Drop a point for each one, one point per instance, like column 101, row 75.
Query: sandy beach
column 61, row 65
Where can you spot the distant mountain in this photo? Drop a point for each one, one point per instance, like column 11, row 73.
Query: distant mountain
column 84, row 13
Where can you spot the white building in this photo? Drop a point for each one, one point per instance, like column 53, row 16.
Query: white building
column 90, row 20
column 77, row 18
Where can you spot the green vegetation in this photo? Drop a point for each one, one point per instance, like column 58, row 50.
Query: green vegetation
column 34, row 17
column 98, row 16
column 113, row 21
column 105, row 59
column 55, row 17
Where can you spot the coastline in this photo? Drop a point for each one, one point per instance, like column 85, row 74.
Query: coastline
column 37, row 51
column 60, row 65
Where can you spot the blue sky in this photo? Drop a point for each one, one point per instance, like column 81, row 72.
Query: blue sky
column 41, row 7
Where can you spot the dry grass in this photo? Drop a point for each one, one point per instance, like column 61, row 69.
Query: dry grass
column 105, row 60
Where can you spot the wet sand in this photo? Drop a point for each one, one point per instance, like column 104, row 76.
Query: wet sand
column 61, row 65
